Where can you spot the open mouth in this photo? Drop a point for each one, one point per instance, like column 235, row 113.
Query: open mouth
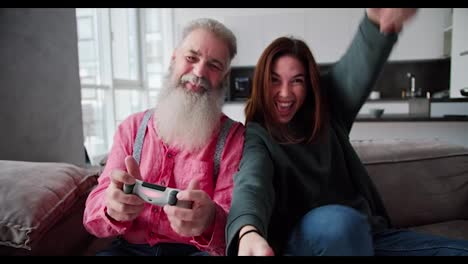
column 284, row 108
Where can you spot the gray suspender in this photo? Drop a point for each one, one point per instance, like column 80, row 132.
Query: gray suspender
column 220, row 145
column 138, row 144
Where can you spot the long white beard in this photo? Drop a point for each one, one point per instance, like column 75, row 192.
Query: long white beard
column 187, row 119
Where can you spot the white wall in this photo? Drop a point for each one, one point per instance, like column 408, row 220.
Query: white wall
column 328, row 31
column 235, row 110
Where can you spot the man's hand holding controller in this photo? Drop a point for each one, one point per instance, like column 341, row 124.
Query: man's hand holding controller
column 120, row 206
column 123, row 205
column 193, row 214
column 198, row 219
column 156, row 194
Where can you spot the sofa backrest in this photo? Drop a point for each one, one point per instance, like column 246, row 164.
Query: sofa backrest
column 420, row 181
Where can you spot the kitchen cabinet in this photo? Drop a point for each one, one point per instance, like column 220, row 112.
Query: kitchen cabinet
column 422, row 38
column 329, row 31
column 255, row 32
column 250, row 44
column 459, row 52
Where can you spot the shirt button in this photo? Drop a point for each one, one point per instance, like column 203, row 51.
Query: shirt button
column 163, row 183
column 169, row 155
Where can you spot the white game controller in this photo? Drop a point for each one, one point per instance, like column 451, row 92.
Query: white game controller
column 156, row 194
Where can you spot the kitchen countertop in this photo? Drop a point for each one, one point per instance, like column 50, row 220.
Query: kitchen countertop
column 383, row 100
column 408, row 118
column 433, row 100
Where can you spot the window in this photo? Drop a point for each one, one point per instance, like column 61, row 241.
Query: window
column 123, row 55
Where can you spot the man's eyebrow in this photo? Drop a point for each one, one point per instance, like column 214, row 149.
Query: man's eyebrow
column 197, row 53
column 194, row 52
column 219, row 62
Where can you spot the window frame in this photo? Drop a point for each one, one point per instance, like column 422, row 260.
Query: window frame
column 106, row 81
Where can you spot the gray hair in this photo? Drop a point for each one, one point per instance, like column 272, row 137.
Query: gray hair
column 216, row 28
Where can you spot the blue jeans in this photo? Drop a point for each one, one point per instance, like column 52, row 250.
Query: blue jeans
column 336, row 230
column 120, row 247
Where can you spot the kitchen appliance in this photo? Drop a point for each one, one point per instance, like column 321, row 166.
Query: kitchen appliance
column 374, row 95
column 376, row 112
column 240, row 83
column 464, row 91
column 419, row 107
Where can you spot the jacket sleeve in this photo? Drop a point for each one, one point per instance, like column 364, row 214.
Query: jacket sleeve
column 253, row 194
column 95, row 219
column 352, row 78
column 213, row 237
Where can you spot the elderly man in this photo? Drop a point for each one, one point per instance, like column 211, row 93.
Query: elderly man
column 185, row 142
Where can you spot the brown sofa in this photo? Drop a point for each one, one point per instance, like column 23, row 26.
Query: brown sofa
column 41, row 208
column 424, row 185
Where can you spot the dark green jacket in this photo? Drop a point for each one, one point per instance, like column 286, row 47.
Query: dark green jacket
column 277, row 184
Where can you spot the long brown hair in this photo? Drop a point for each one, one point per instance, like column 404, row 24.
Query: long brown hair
column 309, row 121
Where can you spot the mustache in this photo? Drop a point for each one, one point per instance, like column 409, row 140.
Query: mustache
column 198, row 81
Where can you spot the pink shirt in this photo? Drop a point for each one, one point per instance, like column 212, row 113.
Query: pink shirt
column 170, row 167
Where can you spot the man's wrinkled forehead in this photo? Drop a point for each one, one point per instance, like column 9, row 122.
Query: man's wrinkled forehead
column 203, row 43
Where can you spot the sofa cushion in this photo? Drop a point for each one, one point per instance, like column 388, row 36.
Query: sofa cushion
column 35, row 196
column 456, row 229
column 420, row 181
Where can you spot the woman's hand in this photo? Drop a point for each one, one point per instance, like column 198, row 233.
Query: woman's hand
column 253, row 244
column 390, row 19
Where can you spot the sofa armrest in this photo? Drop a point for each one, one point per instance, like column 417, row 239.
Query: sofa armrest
column 421, row 181
column 41, row 207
